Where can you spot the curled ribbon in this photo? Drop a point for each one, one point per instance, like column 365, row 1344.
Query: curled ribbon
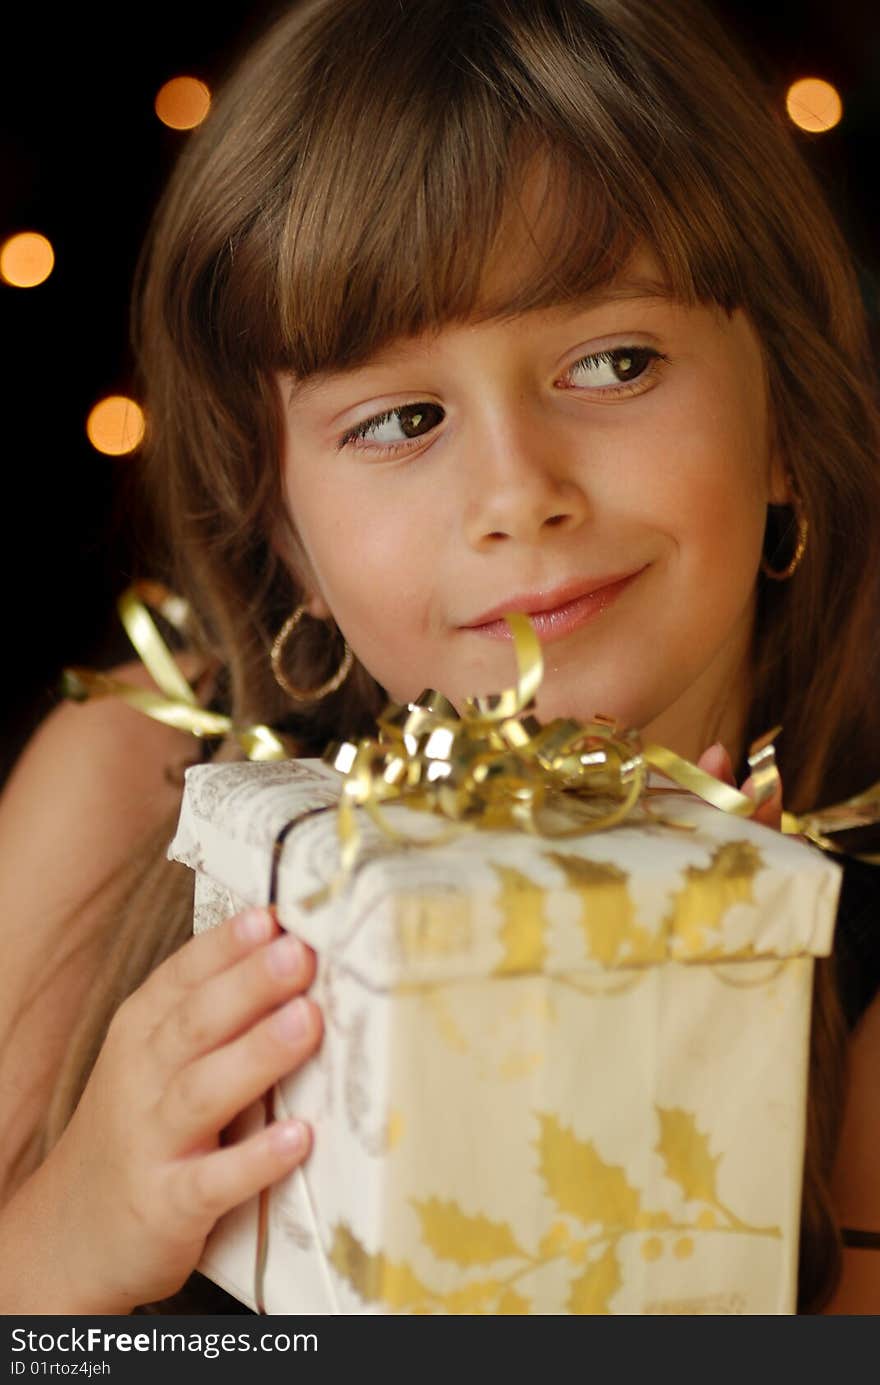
column 179, row 706
column 495, row 765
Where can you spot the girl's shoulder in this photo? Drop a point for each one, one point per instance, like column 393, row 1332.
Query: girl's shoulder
column 92, row 781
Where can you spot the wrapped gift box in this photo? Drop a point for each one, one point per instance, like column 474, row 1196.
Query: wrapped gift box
column 557, row 1076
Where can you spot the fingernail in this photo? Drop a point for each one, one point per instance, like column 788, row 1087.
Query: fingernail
column 290, row 1135
column 713, row 758
column 254, row 924
column 292, row 1020
column 285, row 956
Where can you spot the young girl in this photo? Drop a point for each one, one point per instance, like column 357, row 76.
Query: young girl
column 449, row 309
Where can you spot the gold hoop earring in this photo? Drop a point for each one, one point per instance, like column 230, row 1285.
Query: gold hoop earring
column 305, row 694
column 800, row 548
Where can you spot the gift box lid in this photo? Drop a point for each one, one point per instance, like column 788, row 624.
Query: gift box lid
column 505, row 902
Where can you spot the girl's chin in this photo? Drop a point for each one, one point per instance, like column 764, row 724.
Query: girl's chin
column 574, row 709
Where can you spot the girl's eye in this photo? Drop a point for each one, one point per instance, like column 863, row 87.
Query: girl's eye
column 383, row 430
column 621, row 370
column 611, row 372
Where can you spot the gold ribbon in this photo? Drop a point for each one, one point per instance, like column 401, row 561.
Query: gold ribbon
column 179, row 706
column 495, row 765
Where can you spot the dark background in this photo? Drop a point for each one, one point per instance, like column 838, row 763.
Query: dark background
column 83, row 158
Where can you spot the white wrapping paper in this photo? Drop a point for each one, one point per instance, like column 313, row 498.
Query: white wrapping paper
column 556, row 1077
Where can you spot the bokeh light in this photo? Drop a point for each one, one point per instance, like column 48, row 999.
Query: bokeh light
column 26, row 259
column 182, row 103
column 116, row 425
column 813, row 104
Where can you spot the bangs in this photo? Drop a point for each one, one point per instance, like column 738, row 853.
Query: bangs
column 414, row 142
column 436, row 258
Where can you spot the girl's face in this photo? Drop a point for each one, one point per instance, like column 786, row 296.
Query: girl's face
column 520, row 464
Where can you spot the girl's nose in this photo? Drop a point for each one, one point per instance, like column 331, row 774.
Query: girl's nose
column 522, row 495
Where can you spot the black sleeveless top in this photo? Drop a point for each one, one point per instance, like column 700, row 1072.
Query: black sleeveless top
column 857, row 959
column 857, row 937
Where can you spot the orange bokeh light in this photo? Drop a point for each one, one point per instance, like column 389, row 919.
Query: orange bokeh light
column 116, row 425
column 182, row 103
column 813, row 104
column 26, row 259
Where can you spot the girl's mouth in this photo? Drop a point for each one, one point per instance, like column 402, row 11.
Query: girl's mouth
column 555, row 622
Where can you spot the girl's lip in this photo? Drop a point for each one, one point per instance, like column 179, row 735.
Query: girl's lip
column 571, row 615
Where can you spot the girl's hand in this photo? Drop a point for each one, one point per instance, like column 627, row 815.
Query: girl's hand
column 142, row 1161
column 716, row 761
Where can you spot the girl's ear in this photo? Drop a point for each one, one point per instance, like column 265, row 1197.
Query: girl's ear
column 317, row 607
column 781, row 487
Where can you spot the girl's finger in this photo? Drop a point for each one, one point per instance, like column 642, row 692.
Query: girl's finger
column 209, row 1185
column 205, row 955
column 716, row 761
column 232, row 1001
column 770, row 812
column 207, row 1094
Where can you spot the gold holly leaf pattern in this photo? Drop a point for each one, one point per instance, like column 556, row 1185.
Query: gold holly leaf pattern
column 524, row 922
column 468, row 1240
column 557, row 1239
column 579, row 1180
column 607, row 917
column 592, row 1291
column 475, row 1298
column 698, row 908
column 376, row 1278
column 685, row 1151
column 511, row 1302
column 582, row 1185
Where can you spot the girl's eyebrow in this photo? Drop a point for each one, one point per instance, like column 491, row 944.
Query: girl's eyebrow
column 624, row 290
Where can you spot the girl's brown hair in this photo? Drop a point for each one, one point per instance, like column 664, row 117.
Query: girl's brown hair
column 347, row 189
